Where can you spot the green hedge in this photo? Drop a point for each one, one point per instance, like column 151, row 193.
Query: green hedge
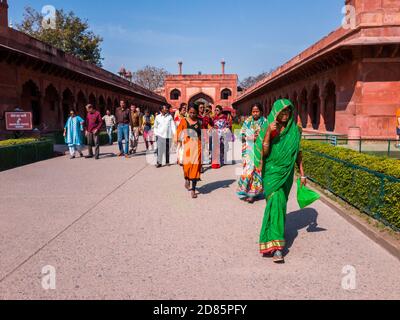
column 104, row 138
column 13, row 142
column 370, row 183
column 25, row 153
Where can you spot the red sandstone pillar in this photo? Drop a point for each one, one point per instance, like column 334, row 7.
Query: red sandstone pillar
column 3, row 13
column 322, row 125
column 309, row 107
column 297, row 104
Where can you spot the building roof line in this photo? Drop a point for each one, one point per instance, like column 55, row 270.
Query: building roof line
column 124, row 85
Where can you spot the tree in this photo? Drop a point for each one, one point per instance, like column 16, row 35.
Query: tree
column 70, row 34
column 250, row 81
column 149, row 77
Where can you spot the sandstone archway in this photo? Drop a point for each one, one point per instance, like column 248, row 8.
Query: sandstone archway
column 303, row 106
column 102, row 105
column 51, row 107
column 330, row 106
column 175, row 94
column 226, row 94
column 30, row 101
column 315, row 108
column 81, row 103
column 92, row 100
column 110, row 105
column 201, row 98
column 67, row 103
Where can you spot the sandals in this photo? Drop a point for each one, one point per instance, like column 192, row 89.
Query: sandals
column 278, row 257
column 194, row 195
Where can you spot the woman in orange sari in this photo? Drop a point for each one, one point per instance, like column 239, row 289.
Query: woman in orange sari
column 189, row 132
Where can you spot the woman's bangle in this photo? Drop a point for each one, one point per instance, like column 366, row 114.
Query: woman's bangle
column 303, row 177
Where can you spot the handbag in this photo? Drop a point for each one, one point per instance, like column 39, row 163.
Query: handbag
column 305, row 196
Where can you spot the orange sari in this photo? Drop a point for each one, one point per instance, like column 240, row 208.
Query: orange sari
column 190, row 134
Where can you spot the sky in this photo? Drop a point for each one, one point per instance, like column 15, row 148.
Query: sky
column 252, row 36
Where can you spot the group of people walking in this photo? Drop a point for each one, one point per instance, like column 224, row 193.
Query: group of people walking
column 270, row 151
column 199, row 136
column 129, row 123
column 75, row 128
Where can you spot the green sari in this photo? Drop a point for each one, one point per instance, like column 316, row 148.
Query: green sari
column 278, row 174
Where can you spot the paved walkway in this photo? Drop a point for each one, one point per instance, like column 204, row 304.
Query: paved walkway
column 122, row 229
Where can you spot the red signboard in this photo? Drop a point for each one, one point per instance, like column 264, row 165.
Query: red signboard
column 19, row 121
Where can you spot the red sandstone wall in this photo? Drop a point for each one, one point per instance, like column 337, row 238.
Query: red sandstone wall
column 13, row 78
column 367, row 87
column 30, row 59
column 378, row 99
column 376, row 12
column 367, row 96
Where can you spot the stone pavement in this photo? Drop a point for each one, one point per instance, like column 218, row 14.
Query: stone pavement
column 122, row 229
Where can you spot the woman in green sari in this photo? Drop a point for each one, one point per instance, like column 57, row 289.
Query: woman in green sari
column 276, row 152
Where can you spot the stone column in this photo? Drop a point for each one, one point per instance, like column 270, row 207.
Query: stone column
column 296, row 101
column 309, row 107
column 322, row 106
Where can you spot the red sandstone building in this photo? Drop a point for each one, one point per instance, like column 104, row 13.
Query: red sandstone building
column 348, row 80
column 44, row 80
column 211, row 89
column 351, row 78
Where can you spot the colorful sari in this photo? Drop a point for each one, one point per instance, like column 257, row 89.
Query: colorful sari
column 190, row 135
column 250, row 182
column 277, row 173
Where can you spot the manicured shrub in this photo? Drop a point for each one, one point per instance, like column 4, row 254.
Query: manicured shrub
column 370, row 183
column 24, row 151
column 12, row 142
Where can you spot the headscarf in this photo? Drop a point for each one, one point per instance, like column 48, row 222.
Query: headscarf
column 278, row 167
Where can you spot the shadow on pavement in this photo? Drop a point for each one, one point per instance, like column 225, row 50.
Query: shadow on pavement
column 209, row 188
column 107, row 155
column 296, row 221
